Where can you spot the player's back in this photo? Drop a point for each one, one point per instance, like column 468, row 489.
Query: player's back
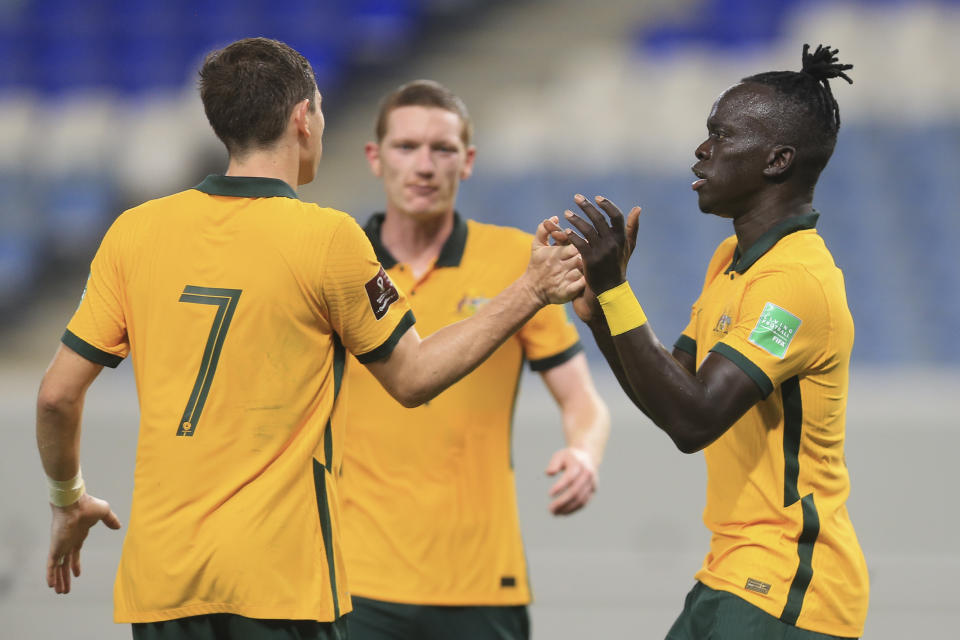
column 225, row 308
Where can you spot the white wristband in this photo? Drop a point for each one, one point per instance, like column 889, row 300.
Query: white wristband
column 63, row 493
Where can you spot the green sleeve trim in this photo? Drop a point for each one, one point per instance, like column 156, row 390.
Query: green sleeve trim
column 753, row 371
column 387, row 347
column 542, row 364
column 90, row 352
column 686, row 344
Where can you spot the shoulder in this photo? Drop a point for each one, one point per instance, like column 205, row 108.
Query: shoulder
column 313, row 213
column 156, row 211
column 814, row 284
column 801, row 258
column 498, row 233
column 504, row 239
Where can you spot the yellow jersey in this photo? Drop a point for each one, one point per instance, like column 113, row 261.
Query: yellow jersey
column 429, row 502
column 237, row 303
column 777, row 481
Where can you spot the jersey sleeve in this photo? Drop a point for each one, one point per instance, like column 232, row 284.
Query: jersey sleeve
column 367, row 311
column 782, row 328
column 687, row 341
column 549, row 338
column 98, row 329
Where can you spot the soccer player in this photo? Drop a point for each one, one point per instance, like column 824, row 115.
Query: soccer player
column 238, row 304
column 758, row 379
column 431, row 533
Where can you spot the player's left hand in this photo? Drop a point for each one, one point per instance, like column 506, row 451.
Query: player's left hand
column 573, row 490
column 68, row 529
column 606, row 248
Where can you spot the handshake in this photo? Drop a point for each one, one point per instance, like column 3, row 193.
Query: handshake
column 575, row 267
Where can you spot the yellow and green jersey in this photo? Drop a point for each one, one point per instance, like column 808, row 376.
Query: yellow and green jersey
column 429, row 502
column 237, row 303
column 777, row 481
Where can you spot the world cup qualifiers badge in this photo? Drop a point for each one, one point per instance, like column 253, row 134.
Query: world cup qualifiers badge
column 382, row 293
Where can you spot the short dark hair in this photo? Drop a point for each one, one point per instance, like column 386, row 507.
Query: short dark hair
column 249, row 88
column 424, row 93
column 810, row 116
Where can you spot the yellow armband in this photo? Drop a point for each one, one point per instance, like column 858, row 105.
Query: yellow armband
column 621, row 309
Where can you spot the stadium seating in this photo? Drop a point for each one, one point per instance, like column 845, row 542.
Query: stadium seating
column 888, row 200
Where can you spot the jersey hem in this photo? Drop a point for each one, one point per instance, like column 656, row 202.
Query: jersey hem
column 261, row 613
column 90, row 352
column 770, row 607
column 446, row 600
column 542, row 364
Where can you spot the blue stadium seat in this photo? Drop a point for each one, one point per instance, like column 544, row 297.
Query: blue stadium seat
column 76, row 210
column 20, row 233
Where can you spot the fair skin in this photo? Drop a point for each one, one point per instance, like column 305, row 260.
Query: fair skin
column 416, row 371
column 421, row 160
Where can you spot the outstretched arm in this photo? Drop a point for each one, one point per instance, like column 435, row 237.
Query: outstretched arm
column 417, row 370
column 693, row 407
column 586, row 427
column 59, row 405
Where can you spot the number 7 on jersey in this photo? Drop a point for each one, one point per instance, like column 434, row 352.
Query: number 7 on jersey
column 226, row 302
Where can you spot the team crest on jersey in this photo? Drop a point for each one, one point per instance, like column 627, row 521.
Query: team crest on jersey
column 382, row 293
column 723, row 325
column 470, row 304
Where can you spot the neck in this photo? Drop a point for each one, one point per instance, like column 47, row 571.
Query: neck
column 752, row 224
column 415, row 240
column 281, row 163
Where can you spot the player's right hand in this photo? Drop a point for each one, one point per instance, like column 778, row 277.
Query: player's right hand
column 585, row 305
column 68, row 530
column 554, row 271
column 606, row 248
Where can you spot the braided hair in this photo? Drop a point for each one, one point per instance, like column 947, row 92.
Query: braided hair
column 810, row 116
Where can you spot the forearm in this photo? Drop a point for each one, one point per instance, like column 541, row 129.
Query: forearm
column 58, row 436
column 586, row 426
column 451, row 353
column 676, row 401
column 601, row 335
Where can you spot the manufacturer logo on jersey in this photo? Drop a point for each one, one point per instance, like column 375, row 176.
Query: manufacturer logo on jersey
column 775, row 330
column 758, row 586
column 382, row 293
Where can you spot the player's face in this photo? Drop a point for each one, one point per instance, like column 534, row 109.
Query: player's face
column 310, row 159
column 731, row 161
column 421, row 160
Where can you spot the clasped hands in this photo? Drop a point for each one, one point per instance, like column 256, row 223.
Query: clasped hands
column 605, row 248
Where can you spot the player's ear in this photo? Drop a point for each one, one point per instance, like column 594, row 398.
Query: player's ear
column 372, row 150
column 299, row 120
column 779, row 161
column 467, row 169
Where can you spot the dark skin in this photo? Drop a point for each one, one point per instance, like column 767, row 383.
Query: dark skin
column 744, row 173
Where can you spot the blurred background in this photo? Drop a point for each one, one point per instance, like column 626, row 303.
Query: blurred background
column 99, row 112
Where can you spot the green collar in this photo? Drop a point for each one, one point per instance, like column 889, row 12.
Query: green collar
column 771, row 237
column 244, row 187
column 450, row 254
